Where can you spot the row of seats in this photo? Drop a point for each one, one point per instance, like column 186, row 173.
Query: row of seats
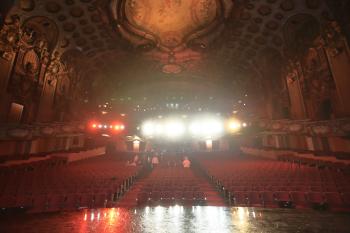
column 313, row 162
column 172, row 188
column 255, row 182
column 29, row 165
column 332, row 200
column 179, row 197
column 290, row 188
column 24, row 157
column 57, row 202
column 171, row 185
column 95, row 182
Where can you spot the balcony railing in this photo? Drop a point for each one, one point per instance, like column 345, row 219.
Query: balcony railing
column 37, row 130
column 338, row 127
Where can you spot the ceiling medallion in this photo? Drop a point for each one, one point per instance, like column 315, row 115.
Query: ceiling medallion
column 170, row 27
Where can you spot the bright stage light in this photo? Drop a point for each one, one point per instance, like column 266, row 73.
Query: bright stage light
column 174, row 128
column 213, row 127
column 234, row 125
column 195, row 128
column 158, row 129
column 148, row 129
column 206, row 127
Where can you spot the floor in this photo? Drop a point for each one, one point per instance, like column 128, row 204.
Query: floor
column 179, row 219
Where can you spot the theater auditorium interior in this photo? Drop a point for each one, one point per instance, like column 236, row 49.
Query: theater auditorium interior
column 175, row 116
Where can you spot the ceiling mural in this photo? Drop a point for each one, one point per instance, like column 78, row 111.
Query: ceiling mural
column 126, row 42
column 170, row 20
column 173, row 32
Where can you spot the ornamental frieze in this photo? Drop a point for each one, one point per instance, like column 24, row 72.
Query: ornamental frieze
column 339, row 127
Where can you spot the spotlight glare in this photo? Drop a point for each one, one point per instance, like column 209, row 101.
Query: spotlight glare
column 174, row 129
column 195, row 128
column 207, row 127
column 148, row 129
column 234, row 125
column 159, row 129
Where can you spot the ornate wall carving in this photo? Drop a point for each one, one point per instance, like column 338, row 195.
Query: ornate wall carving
column 313, row 72
column 31, row 47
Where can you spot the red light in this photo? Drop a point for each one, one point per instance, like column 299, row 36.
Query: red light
column 94, row 126
column 116, row 127
column 122, row 127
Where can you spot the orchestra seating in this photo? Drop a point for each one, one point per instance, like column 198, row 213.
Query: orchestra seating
column 255, row 182
column 172, row 185
column 95, row 182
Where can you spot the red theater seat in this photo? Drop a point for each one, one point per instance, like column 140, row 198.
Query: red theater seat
column 178, row 196
column 334, row 201
column 282, row 196
column 100, row 200
column 240, row 198
column 7, row 201
column 315, row 198
column 316, row 189
column 40, row 204
column 254, row 199
column 71, row 202
column 142, row 198
column 55, row 202
column 24, row 201
column 155, row 197
column 269, row 199
column 188, row 198
column 299, row 199
column 346, row 200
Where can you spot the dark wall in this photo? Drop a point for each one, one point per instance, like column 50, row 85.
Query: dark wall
column 5, row 6
column 340, row 10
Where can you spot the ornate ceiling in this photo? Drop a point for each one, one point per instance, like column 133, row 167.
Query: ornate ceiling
column 170, row 21
column 119, row 43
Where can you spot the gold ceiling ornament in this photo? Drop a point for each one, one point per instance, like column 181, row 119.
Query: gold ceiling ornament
column 170, row 26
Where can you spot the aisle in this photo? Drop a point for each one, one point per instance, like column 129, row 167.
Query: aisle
column 129, row 199
column 213, row 197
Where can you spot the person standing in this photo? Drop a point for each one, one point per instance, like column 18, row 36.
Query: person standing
column 186, row 163
column 155, row 161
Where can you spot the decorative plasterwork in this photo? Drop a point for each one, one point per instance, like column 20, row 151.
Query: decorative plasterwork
column 166, row 28
column 41, row 130
column 338, row 128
